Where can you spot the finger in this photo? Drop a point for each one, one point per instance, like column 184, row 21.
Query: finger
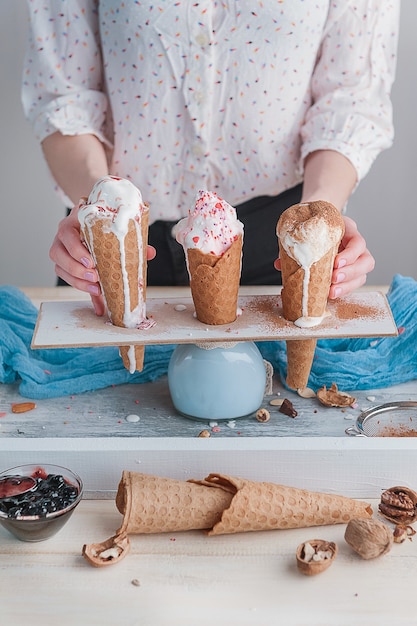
column 363, row 265
column 343, row 289
column 151, row 253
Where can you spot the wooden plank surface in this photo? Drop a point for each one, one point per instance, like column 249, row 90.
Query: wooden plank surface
column 189, row 579
column 74, row 324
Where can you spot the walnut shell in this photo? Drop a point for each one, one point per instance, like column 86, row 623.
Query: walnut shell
column 313, row 567
column 369, row 538
column 334, row 397
column 399, row 505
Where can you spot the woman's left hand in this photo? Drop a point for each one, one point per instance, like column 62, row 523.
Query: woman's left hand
column 352, row 263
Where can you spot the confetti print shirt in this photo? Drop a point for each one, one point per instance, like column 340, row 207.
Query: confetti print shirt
column 226, row 95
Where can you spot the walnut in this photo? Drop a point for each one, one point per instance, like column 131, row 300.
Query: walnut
column 399, row 505
column 334, row 397
column 263, row 415
column 369, row 537
column 315, row 556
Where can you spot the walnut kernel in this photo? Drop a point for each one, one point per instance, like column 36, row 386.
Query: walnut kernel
column 399, row 505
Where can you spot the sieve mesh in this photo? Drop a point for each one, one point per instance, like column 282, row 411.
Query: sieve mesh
column 389, row 420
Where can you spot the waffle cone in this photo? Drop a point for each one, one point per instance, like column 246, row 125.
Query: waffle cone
column 268, row 506
column 318, row 286
column 218, row 504
column 151, row 504
column 300, row 355
column 106, row 250
column 295, row 302
column 300, row 352
column 214, row 282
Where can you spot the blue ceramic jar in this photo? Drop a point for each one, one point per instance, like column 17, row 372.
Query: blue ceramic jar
column 217, row 381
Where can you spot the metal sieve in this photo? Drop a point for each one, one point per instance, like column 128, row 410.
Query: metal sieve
column 393, row 419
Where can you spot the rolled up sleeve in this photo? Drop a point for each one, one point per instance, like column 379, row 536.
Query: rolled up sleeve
column 62, row 87
column 351, row 109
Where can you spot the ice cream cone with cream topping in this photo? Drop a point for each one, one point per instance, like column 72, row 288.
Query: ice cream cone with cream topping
column 114, row 225
column 309, row 235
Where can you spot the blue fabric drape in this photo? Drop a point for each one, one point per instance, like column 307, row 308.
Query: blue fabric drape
column 364, row 363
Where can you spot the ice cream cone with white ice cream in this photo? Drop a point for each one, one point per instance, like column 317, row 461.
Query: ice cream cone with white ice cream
column 212, row 238
column 309, row 236
column 114, row 225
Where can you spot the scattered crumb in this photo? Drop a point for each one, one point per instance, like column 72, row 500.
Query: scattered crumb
column 371, row 398
column 276, row 402
column 180, row 307
column 135, row 582
column 204, row 433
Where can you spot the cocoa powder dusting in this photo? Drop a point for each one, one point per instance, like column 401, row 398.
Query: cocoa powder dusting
column 352, row 310
column 398, row 431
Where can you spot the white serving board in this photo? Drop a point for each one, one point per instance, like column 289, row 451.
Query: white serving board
column 74, row 324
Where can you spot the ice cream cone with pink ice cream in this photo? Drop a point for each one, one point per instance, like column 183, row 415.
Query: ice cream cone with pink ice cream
column 212, row 239
column 114, row 226
column 309, row 236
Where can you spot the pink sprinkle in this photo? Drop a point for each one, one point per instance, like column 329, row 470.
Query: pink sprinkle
column 196, row 239
column 401, row 329
column 3, row 414
column 136, row 401
column 47, row 371
column 172, row 539
column 68, row 407
column 216, row 429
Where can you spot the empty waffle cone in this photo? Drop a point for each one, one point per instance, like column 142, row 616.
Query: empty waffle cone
column 121, row 297
column 214, row 282
column 218, row 504
column 300, row 355
column 302, row 299
column 269, row 506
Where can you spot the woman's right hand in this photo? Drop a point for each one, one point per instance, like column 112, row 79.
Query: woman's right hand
column 74, row 264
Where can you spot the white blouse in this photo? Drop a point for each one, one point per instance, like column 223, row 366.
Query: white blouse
column 225, row 95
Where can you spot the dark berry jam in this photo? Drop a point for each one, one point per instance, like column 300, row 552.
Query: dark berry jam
column 50, row 494
column 39, row 513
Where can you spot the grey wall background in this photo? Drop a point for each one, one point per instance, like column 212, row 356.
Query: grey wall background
column 384, row 205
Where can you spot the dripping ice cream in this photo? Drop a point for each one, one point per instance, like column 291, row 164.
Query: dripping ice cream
column 114, row 225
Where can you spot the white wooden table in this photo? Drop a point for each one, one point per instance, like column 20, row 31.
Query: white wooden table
column 187, row 578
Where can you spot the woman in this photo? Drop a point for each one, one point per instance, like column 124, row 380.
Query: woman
column 265, row 103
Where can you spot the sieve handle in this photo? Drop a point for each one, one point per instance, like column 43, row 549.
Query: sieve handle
column 352, row 431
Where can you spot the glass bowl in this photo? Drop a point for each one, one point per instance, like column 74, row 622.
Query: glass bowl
column 42, row 510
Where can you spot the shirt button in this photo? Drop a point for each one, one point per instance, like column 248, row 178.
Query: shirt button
column 202, row 40
column 197, row 150
column 199, row 96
